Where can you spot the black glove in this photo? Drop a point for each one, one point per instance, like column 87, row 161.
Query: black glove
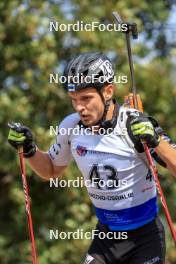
column 20, row 135
column 142, row 128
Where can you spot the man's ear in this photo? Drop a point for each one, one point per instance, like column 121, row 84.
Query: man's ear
column 108, row 91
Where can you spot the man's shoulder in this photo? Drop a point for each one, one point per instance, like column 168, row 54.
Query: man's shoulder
column 70, row 120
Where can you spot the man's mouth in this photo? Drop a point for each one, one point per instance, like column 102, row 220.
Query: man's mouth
column 85, row 117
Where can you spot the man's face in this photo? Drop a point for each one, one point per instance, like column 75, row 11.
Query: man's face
column 88, row 104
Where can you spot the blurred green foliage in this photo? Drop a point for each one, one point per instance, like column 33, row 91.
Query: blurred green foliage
column 29, row 52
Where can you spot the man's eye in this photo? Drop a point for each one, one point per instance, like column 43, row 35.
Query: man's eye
column 86, row 98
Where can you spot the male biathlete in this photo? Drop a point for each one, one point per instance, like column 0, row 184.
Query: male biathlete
column 108, row 150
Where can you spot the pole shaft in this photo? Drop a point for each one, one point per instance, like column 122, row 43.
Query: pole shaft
column 28, row 209
column 130, row 60
column 160, row 192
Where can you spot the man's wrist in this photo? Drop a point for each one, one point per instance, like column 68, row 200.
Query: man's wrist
column 28, row 153
column 157, row 141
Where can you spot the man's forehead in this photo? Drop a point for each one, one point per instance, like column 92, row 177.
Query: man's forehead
column 83, row 92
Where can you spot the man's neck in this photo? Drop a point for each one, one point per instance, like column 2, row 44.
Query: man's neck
column 109, row 114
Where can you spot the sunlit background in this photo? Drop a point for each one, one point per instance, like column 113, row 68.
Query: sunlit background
column 29, row 53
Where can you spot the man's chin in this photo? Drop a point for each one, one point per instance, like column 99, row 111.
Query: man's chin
column 86, row 123
column 89, row 123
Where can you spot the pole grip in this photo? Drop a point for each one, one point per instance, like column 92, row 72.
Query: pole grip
column 20, row 149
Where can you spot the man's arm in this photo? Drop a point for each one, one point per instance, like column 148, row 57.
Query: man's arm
column 39, row 161
column 42, row 165
column 168, row 154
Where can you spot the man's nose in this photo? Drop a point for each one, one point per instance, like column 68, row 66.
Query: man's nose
column 79, row 107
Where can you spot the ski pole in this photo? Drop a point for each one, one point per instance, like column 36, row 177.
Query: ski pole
column 132, row 29
column 28, row 209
